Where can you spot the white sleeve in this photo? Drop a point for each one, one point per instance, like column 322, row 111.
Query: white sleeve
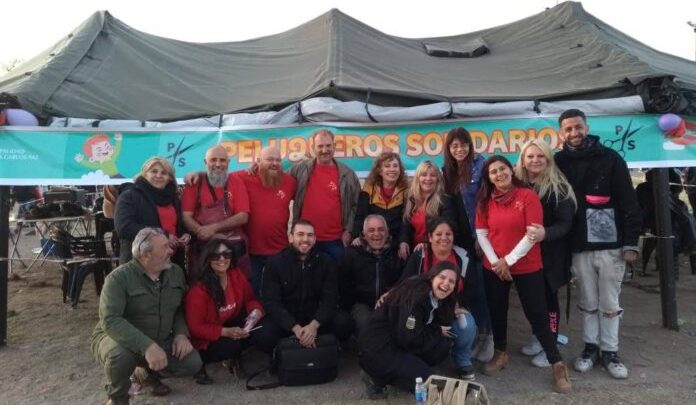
column 520, row 251
column 482, row 238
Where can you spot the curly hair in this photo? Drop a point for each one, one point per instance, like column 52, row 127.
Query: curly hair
column 374, row 178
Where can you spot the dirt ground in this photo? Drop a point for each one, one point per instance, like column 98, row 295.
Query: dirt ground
column 48, row 360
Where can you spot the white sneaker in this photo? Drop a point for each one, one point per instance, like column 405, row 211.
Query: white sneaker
column 540, row 360
column 613, row 364
column 587, row 359
column 487, row 350
column 532, row 348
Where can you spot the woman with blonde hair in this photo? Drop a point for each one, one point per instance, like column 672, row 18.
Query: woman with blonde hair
column 153, row 201
column 384, row 193
column 535, row 167
column 426, row 199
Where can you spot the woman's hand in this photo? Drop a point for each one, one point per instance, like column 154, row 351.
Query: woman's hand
column 419, row 247
column 536, row 233
column 403, row 250
column 380, row 301
column 502, row 270
column 173, row 241
column 235, row 333
column 184, row 240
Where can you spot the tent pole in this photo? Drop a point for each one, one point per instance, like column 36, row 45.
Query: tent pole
column 665, row 249
column 4, row 245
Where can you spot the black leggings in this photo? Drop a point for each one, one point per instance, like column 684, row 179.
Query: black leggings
column 227, row 348
column 530, row 288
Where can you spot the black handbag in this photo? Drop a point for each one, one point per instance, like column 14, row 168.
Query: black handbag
column 297, row 365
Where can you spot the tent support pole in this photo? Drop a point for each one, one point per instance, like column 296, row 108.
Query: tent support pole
column 4, row 245
column 665, row 249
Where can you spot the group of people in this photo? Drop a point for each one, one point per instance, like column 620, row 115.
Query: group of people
column 418, row 271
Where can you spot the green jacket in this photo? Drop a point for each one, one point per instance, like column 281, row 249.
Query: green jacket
column 135, row 313
column 349, row 186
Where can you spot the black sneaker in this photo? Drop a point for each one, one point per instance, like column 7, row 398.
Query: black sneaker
column 466, row 373
column 612, row 363
column 202, row 377
column 372, row 390
column 588, row 358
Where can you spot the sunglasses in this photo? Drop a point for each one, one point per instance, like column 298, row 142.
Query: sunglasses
column 224, row 255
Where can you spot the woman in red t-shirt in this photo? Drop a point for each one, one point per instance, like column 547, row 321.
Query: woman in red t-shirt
column 508, row 219
column 221, row 309
column 426, row 199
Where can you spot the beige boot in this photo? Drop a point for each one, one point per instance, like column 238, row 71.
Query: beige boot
column 498, row 362
column 561, row 381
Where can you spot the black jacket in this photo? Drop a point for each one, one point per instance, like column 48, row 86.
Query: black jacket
column 467, row 297
column 135, row 210
column 598, row 173
column 391, row 336
column 555, row 249
column 365, row 276
column 295, row 291
column 370, row 201
column 463, row 236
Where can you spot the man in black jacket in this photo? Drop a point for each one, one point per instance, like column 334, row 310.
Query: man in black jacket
column 300, row 293
column 604, row 237
column 369, row 270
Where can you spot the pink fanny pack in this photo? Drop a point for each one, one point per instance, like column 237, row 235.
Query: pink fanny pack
column 597, row 199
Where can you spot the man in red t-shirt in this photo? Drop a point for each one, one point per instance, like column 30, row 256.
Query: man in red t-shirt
column 215, row 206
column 327, row 195
column 270, row 192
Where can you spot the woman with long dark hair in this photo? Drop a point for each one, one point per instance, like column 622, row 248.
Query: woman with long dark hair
column 508, row 225
column 221, row 309
column 535, row 166
column 384, row 193
column 440, row 248
column 409, row 332
column 462, row 173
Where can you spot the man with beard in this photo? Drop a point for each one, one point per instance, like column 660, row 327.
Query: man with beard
column 216, row 206
column 369, row 270
column 327, row 195
column 141, row 321
column 270, row 192
column 604, row 237
column 300, row 293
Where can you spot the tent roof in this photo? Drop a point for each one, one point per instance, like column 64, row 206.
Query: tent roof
column 106, row 69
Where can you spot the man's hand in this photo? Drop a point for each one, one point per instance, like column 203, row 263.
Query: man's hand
column 191, row 178
column 206, row 232
column 181, row 346
column 156, row 357
column 356, row 242
column 173, row 241
column 297, row 330
column 309, row 334
column 630, row 256
column 346, row 237
column 235, row 333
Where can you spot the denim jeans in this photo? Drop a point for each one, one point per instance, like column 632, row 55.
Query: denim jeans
column 464, row 342
column 333, row 248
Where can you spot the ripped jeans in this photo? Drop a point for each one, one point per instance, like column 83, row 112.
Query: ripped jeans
column 599, row 274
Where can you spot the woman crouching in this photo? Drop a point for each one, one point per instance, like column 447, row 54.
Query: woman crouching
column 409, row 332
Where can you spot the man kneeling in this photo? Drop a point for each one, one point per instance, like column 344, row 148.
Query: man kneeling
column 141, row 320
column 300, row 293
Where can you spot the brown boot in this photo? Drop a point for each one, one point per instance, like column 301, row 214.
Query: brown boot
column 498, row 362
column 561, row 381
column 148, row 378
column 118, row 400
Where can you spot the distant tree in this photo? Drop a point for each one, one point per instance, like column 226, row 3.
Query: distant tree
column 8, row 66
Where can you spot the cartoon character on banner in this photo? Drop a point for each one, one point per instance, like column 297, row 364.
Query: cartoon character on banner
column 679, row 132
column 99, row 154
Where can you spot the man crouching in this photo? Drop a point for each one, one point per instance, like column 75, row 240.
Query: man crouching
column 141, row 321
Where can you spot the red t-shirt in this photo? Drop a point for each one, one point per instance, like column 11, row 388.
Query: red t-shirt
column 237, row 196
column 420, row 231
column 322, row 202
column 507, row 224
column 167, row 218
column 268, row 219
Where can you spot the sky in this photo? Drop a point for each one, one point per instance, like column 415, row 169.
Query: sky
column 30, row 26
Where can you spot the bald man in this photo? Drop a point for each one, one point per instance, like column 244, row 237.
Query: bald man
column 217, row 206
column 270, row 192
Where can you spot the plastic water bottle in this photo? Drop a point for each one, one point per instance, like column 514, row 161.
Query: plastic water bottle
column 421, row 394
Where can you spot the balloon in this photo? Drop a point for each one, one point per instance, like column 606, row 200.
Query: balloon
column 19, row 117
column 669, row 122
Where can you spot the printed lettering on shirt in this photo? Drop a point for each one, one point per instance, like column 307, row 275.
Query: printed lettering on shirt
column 228, row 307
column 519, row 205
column 281, row 194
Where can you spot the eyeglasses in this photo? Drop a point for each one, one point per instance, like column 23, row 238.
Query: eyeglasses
column 224, row 255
